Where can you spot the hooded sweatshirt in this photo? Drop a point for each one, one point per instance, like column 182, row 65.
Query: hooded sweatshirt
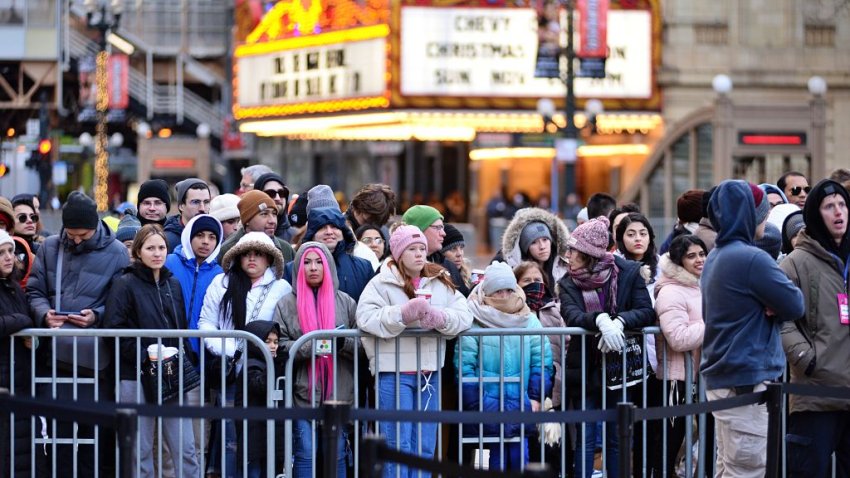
column 556, row 267
column 194, row 278
column 527, row 358
column 739, row 283
column 353, row 272
column 286, row 315
column 173, row 231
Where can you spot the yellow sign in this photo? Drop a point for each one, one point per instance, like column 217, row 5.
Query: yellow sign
column 296, row 18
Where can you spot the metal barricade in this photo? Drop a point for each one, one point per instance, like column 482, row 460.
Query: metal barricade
column 95, row 374
column 412, row 341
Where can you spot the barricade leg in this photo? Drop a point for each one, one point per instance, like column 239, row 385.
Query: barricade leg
column 625, row 430
column 774, row 429
column 125, row 432
column 335, row 418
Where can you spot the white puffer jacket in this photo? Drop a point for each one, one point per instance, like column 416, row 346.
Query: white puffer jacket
column 379, row 314
column 211, row 319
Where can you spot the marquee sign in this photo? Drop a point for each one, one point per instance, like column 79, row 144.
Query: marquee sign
column 491, row 52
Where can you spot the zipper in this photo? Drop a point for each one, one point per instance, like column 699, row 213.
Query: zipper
column 194, row 286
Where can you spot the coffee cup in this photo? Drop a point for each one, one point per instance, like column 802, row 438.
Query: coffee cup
column 424, row 293
column 477, row 276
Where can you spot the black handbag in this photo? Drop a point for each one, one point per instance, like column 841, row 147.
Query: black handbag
column 633, row 355
column 166, row 373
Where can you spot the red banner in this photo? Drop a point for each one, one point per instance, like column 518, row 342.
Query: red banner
column 117, row 73
column 593, row 28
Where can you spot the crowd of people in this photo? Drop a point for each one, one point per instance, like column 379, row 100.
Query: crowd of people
column 750, row 278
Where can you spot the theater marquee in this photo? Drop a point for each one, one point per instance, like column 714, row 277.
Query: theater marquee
column 492, row 52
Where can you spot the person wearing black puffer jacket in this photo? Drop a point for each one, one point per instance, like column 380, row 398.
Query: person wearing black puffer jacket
column 148, row 296
column 14, row 317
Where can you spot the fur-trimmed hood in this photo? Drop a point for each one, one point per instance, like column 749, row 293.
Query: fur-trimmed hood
column 672, row 273
column 255, row 241
column 510, row 239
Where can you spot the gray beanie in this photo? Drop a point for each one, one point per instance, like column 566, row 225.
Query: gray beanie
column 532, row 232
column 128, row 226
column 498, row 276
column 321, row 196
column 184, row 186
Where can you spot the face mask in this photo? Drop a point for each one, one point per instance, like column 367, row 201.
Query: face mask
column 534, row 295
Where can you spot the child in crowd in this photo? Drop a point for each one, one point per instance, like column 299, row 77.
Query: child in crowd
column 523, row 362
column 257, row 383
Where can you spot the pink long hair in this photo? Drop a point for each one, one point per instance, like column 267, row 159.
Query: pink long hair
column 317, row 312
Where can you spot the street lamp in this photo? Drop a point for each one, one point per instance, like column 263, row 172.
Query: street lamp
column 103, row 16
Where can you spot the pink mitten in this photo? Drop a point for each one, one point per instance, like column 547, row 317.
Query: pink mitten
column 414, row 310
column 434, row 319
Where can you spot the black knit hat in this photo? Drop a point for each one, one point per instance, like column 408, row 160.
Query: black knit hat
column 298, row 212
column 453, row 238
column 154, row 188
column 79, row 212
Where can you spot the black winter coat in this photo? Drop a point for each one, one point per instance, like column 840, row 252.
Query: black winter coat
column 255, row 374
column 634, row 306
column 14, row 317
column 173, row 232
column 136, row 301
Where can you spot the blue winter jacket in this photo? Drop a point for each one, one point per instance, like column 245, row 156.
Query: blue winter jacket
column 742, row 344
column 194, row 278
column 524, row 361
column 353, row 272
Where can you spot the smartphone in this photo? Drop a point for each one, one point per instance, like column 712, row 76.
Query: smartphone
column 67, row 312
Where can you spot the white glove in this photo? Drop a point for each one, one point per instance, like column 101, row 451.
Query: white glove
column 551, row 432
column 613, row 338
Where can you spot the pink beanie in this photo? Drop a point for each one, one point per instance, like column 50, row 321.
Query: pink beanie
column 591, row 237
column 403, row 237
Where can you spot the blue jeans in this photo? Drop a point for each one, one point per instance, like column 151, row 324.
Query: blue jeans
column 416, row 391
column 585, row 450
column 302, row 451
column 233, row 467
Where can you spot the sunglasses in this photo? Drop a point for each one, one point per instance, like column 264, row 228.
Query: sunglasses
column 372, row 240
column 22, row 218
column 796, row 190
column 273, row 193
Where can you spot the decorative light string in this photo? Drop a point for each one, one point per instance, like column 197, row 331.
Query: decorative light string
column 101, row 162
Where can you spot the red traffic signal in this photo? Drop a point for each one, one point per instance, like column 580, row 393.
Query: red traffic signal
column 44, row 146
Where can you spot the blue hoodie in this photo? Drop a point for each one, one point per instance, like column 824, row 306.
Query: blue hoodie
column 742, row 345
column 353, row 272
column 194, row 278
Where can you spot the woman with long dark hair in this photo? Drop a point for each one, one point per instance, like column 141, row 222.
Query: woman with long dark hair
column 248, row 290
column 636, row 242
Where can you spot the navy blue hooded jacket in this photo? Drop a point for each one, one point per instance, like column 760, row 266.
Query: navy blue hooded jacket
column 353, row 272
column 739, row 283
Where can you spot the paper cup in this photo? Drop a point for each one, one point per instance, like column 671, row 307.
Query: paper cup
column 424, row 293
column 477, row 276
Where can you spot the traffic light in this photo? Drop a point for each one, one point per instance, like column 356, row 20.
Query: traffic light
column 4, row 169
column 40, row 155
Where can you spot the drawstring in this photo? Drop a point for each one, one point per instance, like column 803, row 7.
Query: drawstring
column 427, row 387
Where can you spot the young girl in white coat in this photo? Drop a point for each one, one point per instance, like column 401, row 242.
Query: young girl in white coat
column 388, row 306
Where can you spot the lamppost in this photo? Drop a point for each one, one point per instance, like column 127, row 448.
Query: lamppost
column 103, row 16
column 566, row 144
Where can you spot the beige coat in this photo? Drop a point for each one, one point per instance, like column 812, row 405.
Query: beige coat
column 379, row 315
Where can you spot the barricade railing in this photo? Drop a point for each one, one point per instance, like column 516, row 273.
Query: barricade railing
column 97, row 366
column 367, row 393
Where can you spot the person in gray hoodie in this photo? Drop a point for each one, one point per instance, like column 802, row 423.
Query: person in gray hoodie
column 324, row 368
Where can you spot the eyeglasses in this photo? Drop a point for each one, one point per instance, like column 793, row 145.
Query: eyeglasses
column 372, row 240
column 22, row 218
column 438, row 227
column 198, row 202
column 273, row 193
column 153, row 203
column 796, row 190
column 246, row 186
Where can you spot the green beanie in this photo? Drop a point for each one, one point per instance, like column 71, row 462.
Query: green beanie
column 421, row 216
